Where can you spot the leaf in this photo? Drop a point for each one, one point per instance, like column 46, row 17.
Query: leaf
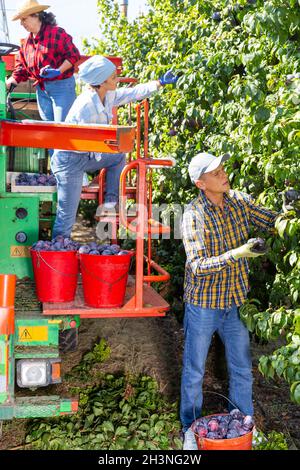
column 121, row 431
column 281, row 226
column 262, row 114
column 108, row 426
column 293, row 258
column 295, row 392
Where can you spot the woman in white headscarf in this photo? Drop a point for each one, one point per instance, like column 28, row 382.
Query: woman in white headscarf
column 94, row 106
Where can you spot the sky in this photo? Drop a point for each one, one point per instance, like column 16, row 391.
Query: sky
column 78, row 17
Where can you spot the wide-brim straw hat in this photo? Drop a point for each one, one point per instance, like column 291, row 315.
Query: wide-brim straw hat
column 29, row 8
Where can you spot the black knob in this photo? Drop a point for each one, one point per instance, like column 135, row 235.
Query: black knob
column 21, row 237
column 21, row 213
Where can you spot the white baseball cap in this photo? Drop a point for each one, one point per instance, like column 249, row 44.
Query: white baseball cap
column 204, row 163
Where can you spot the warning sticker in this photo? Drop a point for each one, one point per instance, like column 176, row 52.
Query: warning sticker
column 33, row 333
column 19, row 252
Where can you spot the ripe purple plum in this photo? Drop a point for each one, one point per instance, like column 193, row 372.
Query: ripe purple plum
column 232, row 433
column 236, row 414
column 84, row 249
column 201, row 431
column 248, row 422
column 213, row 425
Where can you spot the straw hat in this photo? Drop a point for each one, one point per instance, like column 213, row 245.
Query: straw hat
column 28, row 8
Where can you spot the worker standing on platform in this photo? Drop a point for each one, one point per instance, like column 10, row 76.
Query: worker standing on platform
column 47, row 56
column 94, row 106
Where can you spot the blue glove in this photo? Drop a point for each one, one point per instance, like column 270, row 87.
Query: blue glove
column 168, row 78
column 48, row 72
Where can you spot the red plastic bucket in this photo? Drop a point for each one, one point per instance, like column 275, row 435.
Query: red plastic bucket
column 104, row 279
column 237, row 443
column 55, row 274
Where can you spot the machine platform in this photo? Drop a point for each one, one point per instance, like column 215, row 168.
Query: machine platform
column 153, row 305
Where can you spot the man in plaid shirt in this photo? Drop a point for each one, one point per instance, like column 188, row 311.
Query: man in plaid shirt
column 216, row 228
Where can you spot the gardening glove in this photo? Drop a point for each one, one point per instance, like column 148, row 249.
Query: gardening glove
column 48, row 72
column 253, row 248
column 168, row 78
column 10, row 84
column 291, row 200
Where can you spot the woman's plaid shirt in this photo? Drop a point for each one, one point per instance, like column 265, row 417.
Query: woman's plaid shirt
column 51, row 46
column 213, row 278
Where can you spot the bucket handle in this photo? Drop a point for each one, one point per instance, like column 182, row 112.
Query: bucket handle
column 39, row 257
column 110, row 284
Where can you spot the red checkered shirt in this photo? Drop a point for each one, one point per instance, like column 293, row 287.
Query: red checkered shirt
column 51, row 46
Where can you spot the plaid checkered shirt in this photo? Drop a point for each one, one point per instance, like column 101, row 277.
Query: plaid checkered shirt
column 213, row 278
column 51, row 46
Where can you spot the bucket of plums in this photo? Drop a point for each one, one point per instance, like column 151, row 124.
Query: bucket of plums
column 55, row 268
column 104, row 270
column 225, row 431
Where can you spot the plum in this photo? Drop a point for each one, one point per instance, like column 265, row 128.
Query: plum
column 93, row 245
column 105, row 246
column 84, row 249
column 234, row 424
column 248, row 422
column 213, row 425
column 259, row 245
column 223, row 429
column 201, row 431
column 216, row 16
column 225, row 419
column 236, row 414
column 42, row 180
column 243, row 431
column 232, row 433
column 58, row 245
column 212, row 435
column 106, row 252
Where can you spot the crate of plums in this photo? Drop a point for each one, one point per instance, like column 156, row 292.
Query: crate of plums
column 32, row 183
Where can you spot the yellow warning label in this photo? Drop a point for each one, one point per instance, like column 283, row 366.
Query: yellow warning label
column 19, row 252
column 33, row 333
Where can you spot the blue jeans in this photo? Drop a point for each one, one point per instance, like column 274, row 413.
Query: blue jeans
column 56, row 100
column 68, row 168
column 199, row 326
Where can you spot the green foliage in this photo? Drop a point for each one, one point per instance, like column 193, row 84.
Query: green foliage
column 234, row 95
column 99, row 354
column 269, row 325
column 272, row 441
column 120, row 412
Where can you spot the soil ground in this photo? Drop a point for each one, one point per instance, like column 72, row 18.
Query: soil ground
column 154, row 346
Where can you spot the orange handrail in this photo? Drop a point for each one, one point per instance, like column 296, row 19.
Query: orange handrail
column 165, row 276
column 135, row 164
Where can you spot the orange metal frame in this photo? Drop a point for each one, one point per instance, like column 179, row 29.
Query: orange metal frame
column 88, row 138
column 141, row 299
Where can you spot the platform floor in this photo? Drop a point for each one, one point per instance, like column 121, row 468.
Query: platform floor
column 153, row 305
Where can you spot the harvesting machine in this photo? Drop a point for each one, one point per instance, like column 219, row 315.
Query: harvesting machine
column 32, row 337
